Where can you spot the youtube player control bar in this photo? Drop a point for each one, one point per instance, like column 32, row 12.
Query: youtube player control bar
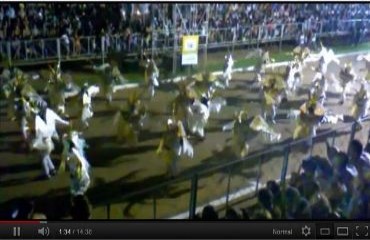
column 184, row 230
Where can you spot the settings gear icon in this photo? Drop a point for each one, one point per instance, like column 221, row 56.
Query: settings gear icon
column 306, row 231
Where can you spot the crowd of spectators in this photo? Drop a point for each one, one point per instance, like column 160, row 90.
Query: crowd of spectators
column 48, row 20
column 127, row 27
column 336, row 187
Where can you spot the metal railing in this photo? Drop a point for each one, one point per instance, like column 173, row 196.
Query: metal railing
column 188, row 188
column 53, row 49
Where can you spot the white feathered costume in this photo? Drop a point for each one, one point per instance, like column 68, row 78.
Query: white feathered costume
column 228, row 69
column 198, row 114
column 73, row 155
column 151, row 76
column 45, row 130
column 87, row 111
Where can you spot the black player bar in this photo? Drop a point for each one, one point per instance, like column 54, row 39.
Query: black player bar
column 184, row 230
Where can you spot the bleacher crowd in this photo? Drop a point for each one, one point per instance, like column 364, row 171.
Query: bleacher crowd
column 335, row 187
column 70, row 22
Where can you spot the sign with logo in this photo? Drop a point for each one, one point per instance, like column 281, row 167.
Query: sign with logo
column 190, row 50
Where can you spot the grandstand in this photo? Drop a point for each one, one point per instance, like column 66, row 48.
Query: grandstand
column 129, row 182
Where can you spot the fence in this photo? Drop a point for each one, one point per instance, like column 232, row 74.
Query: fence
column 241, row 180
column 52, row 49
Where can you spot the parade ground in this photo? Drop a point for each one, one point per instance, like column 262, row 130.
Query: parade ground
column 118, row 169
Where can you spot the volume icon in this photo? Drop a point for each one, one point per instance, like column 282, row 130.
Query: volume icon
column 45, row 231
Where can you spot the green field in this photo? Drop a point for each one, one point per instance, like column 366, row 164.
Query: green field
column 215, row 63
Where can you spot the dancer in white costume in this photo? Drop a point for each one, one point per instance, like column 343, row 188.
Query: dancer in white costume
column 228, row 69
column 49, row 120
column 151, row 76
column 87, row 112
column 79, row 168
column 366, row 59
column 174, row 145
column 319, row 88
column 293, row 75
column 198, row 117
column 45, row 130
column 325, row 57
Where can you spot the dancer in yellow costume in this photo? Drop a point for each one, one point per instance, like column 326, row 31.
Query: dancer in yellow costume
column 246, row 127
column 274, row 89
column 361, row 103
column 310, row 116
column 129, row 121
column 174, row 145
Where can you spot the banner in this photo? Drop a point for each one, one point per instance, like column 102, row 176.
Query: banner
column 189, row 51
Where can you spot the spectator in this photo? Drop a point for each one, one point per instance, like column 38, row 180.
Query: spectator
column 65, row 41
column 266, row 203
column 209, row 213
column 303, row 210
column 81, row 209
column 360, row 159
column 232, row 214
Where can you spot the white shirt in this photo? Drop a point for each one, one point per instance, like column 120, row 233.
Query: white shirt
column 48, row 129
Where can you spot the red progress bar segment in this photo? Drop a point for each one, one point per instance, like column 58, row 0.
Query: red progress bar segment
column 20, row 222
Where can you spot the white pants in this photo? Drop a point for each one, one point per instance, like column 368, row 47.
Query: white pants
column 151, row 90
column 344, row 92
column 47, row 164
column 80, row 186
column 25, row 128
column 172, row 168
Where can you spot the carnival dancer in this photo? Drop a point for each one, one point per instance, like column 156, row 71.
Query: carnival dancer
column 311, row 114
column 55, row 88
column 346, row 78
column 198, row 116
column 361, row 104
column 14, row 90
column 262, row 62
column 319, row 88
column 44, row 132
column 205, row 84
column 228, row 68
column 293, row 75
column 184, row 98
column 22, row 99
column 325, row 57
column 87, row 93
column 74, row 157
column 129, row 122
column 245, row 128
column 197, row 101
column 366, row 59
column 274, row 89
column 48, row 119
column 173, row 146
column 301, row 53
column 151, row 76
column 113, row 79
